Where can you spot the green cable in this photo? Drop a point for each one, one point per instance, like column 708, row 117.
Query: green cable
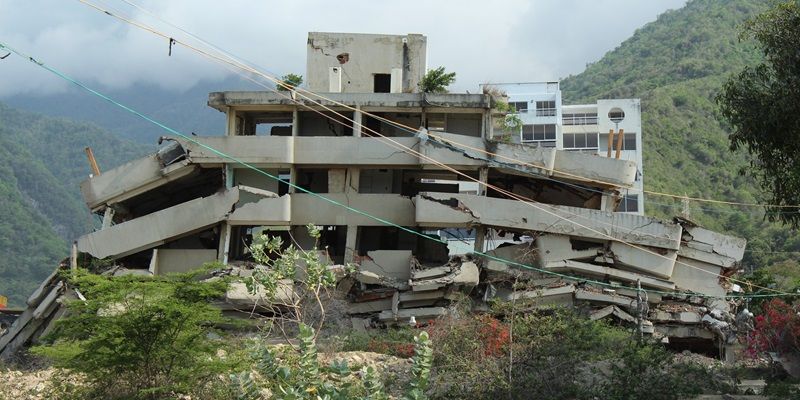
column 345, row 206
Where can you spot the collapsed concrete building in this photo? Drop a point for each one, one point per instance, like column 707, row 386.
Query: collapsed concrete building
column 194, row 201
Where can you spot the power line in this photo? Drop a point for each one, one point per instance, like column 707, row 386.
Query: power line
column 395, row 144
column 351, row 209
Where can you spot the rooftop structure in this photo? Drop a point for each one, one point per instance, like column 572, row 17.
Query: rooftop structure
column 365, row 63
column 380, row 173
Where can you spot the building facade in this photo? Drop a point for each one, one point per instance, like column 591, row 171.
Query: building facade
column 382, row 175
column 546, row 122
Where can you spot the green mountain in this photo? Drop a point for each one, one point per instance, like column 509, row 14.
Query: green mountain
column 185, row 111
column 42, row 162
column 676, row 65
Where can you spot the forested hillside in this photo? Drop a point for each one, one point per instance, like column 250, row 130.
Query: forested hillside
column 677, row 65
column 42, row 162
column 185, row 111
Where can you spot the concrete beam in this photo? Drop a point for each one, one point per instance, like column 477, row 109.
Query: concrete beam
column 459, row 210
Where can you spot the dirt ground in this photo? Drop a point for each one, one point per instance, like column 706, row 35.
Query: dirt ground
column 32, row 383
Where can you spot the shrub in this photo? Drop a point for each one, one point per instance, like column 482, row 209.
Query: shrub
column 777, row 329
column 298, row 374
column 554, row 354
column 289, row 81
column 437, row 81
column 141, row 337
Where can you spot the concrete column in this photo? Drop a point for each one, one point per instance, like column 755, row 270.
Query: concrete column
column 231, row 128
column 480, row 238
column 352, row 180
column 229, row 176
column 292, row 179
column 358, row 120
column 480, row 231
column 609, row 200
column 295, row 133
column 224, row 242
column 483, row 177
column 108, row 217
column 350, row 244
column 295, row 123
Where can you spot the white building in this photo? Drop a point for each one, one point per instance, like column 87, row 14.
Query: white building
column 546, row 122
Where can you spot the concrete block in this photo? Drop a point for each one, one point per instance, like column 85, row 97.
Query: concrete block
column 393, row 264
column 660, row 264
column 418, row 313
column 182, row 260
column 558, row 247
column 369, row 306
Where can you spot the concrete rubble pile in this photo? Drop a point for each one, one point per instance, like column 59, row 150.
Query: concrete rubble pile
column 44, row 306
column 525, row 223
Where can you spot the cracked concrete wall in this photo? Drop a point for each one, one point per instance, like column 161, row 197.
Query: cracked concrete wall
column 360, row 56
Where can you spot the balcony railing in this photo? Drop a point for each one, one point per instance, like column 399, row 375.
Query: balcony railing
column 546, row 112
column 579, row 119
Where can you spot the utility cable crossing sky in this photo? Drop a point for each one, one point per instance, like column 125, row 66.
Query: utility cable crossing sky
column 354, row 210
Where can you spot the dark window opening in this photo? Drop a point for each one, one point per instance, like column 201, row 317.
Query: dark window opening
column 546, row 108
column 382, row 83
column 519, row 106
column 629, row 141
column 318, row 123
column 390, row 124
column 314, row 180
column 545, row 134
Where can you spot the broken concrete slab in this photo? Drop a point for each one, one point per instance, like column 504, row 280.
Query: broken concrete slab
column 594, row 297
column 466, row 274
column 367, row 307
column 433, row 272
column 159, row 227
column 267, row 211
column 420, row 314
column 130, row 180
column 458, row 210
column 559, row 247
column 609, row 273
column 724, row 245
column 392, row 264
column 650, row 260
column 611, row 311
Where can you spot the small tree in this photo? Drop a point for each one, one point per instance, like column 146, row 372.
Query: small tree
column 437, row 81
column 292, row 282
column 142, row 337
column 763, row 105
column 290, row 82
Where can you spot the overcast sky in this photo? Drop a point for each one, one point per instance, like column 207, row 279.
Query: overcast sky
column 483, row 41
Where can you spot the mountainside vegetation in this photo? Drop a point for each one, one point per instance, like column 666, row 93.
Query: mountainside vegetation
column 677, row 65
column 185, row 111
column 42, row 162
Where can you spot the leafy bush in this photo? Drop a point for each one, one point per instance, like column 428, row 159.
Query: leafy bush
column 142, row 337
column 437, row 81
column 553, row 354
column 298, row 374
column 289, row 81
column 777, row 329
column 310, row 277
